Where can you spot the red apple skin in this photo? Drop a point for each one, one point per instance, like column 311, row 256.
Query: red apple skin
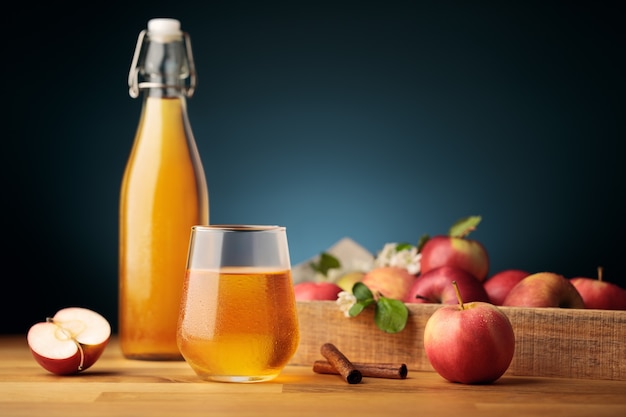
column 71, row 365
column 316, row 291
column 544, row 289
column 470, row 345
column 600, row 295
column 500, row 283
column 462, row 253
column 63, row 337
column 435, row 286
column 389, row 281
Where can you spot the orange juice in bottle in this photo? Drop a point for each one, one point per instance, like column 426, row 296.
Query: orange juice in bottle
column 163, row 194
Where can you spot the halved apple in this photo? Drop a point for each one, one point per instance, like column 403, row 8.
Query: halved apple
column 70, row 342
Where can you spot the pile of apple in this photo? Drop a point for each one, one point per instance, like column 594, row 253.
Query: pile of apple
column 456, row 257
column 447, row 258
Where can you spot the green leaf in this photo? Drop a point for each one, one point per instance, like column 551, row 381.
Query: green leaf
column 364, row 298
column 326, row 263
column 390, row 315
column 403, row 246
column 357, row 308
column 463, row 227
column 422, row 241
column 361, row 292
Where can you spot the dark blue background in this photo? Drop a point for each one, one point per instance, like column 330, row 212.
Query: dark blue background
column 380, row 121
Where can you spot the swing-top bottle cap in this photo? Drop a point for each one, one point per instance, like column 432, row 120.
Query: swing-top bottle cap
column 164, row 29
column 162, row 59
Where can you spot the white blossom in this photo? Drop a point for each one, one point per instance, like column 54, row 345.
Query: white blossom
column 407, row 258
column 345, row 301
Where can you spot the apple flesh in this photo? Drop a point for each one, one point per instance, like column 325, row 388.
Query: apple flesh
column 435, row 286
column 500, row 283
column 544, row 289
column 467, row 254
column 70, row 342
column 599, row 294
column 389, row 281
column 311, row 290
column 469, row 343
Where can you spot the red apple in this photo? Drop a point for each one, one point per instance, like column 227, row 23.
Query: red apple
column 544, row 289
column 456, row 249
column 599, row 294
column 310, row 290
column 389, row 281
column 69, row 342
column 435, row 286
column 499, row 284
column 469, row 343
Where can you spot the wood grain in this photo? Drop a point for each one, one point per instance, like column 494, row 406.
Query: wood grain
column 118, row 387
column 550, row 342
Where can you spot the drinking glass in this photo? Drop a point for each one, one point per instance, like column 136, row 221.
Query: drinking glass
column 238, row 320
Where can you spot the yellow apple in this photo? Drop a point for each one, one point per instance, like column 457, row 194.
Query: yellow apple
column 347, row 281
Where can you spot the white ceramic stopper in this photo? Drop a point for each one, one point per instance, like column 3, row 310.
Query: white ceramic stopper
column 164, row 29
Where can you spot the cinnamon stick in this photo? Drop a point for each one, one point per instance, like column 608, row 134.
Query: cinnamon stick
column 372, row 370
column 342, row 365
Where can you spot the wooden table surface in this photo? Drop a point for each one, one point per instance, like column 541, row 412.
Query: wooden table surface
column 118, row 387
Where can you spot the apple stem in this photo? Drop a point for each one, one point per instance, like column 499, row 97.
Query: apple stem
column 458, row 294
column 599, row 273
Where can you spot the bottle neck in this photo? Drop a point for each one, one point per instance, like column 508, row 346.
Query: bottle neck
column 166, row 113
column 163, row 67
column 164, row 92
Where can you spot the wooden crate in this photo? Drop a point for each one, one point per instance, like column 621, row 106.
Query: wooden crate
column 550, row 342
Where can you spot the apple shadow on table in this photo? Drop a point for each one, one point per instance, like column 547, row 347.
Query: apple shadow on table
column 514, row 380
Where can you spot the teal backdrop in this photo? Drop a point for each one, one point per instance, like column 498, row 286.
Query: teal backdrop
column 379, row 121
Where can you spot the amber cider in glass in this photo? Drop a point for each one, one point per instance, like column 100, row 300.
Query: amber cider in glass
column 238, row 324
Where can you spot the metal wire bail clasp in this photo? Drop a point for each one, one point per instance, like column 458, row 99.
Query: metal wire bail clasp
column 133, row 76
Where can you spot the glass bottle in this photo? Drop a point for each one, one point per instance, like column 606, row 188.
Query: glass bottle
column 163, row 194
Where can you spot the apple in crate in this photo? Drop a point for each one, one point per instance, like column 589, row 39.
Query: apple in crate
column 469, row 343
column 69, row 342
column 347, row 281
column 435, row 286
column 389, row 281
column 500, row 283
column 311, row 290
column 544, row 289
column 599, row 294
column 456, row 249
